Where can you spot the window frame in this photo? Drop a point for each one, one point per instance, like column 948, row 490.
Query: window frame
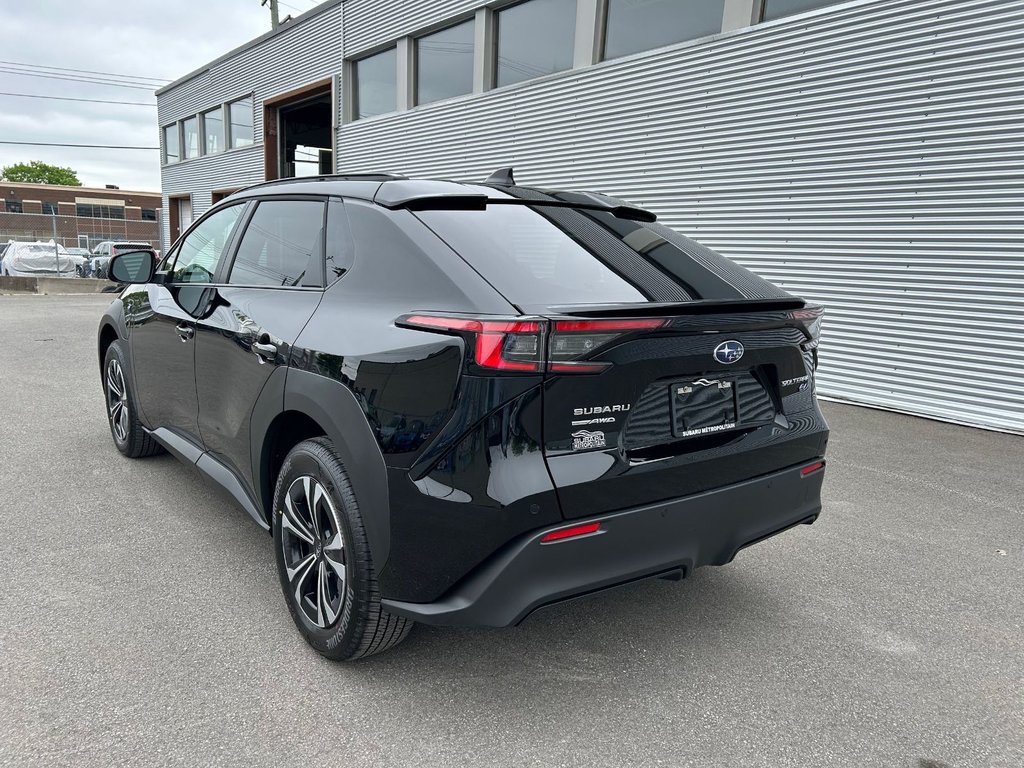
column 415, row 66
column 199, row 138
column 495, row 42
column 602, row 47
column 204, row 136
column 176, row 125
column 243, row 225
column 354, row 69
column 229, row 143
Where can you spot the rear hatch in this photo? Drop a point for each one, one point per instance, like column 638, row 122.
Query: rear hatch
column 668, row 369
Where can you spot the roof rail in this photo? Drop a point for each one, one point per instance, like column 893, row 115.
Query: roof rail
column 329, row 177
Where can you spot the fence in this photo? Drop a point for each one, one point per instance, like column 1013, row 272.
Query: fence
column 78, row 231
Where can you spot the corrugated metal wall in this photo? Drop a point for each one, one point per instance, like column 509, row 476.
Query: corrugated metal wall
column 369, row 23
column 303, row 52
column 869, row 156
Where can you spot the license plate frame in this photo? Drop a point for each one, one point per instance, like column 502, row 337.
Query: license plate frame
column 704, row 406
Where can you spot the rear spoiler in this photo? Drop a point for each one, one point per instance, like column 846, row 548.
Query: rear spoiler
column 475, row 202
column 668, row 308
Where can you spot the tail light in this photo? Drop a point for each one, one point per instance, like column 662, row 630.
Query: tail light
column 534, row 344
column 810, row 318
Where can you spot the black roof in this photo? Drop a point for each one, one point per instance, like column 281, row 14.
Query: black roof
column 392, row 190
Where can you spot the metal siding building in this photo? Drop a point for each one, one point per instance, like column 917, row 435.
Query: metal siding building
column 868, row 155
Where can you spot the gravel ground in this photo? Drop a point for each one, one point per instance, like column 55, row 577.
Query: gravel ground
column 141, row 621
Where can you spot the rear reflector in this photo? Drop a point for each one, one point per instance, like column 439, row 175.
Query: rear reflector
column 570, row 533
column 812, row 468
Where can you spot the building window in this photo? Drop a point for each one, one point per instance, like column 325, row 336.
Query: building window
column 190, row 132
column 444, row 63
column 172, row 153
column 240, row 113
column 640, row 25
column 50, row 209
column 15, row 206
column 776, row 9
column 149, row 214
column 87, row 211
column 535, row 38
column 213, row 131
column 375, row 80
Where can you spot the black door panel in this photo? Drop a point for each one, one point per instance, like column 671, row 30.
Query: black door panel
column 163, row 351
column 245, row 338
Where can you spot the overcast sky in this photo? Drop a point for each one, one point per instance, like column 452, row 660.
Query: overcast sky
column 151, row 38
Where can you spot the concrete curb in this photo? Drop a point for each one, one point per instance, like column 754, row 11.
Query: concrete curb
column 56, row 285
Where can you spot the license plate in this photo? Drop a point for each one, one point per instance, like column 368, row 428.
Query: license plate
column 703, row 407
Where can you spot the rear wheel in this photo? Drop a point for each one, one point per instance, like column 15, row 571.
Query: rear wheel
column 129, row 435
column 324, row 560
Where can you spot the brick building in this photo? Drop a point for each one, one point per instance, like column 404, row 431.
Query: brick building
column 80, row 216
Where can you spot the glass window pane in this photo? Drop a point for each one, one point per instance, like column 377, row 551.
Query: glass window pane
column 639, row 25
column 376, row 84
column 528, row 258
column 190, row 129
column 241, row 123
column 444, row 63
column 535, row 38
column 282, row 246
column 213, row 131
column 776, row 9
column 171, row 144
column 201, row 250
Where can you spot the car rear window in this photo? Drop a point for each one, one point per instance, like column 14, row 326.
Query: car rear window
column 547, row 255
column 529, row 259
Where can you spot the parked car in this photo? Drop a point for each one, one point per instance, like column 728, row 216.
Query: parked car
column 612, row 400
column 103, row 251
column 3, row 250
column 37, row 259
column 81, row 258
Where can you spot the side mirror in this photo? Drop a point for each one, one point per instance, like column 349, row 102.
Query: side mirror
column 132, row 267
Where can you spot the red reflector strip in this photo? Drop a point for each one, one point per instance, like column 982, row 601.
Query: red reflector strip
column 569, row 533
column 812, row 468
column 602, row 326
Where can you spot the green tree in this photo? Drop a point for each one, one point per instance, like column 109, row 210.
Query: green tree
column 37, row 172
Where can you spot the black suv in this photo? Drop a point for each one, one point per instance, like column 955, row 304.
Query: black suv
column 456, row 403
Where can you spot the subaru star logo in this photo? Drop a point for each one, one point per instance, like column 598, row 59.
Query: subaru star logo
column 728, row 352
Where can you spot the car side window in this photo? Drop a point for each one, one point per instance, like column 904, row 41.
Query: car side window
column 202, row 249
column 341, row 247
column 283, row 246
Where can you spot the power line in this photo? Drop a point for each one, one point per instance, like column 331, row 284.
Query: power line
column 81, row 146
column 93, row 81
column 45, row 67
column 71, row 98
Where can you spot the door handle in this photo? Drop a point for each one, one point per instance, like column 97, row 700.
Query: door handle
column 265, row 349
column 185, row 332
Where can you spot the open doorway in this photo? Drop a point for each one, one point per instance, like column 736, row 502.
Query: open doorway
column 300, row 132
column 179, row 214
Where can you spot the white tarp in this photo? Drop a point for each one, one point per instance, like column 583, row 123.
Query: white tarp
column 38, row 260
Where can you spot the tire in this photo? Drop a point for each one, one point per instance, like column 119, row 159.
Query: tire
column 130, row 438
column 328, row 580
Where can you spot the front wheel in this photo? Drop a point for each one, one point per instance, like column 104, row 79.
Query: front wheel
column 130, row 437
column 324, row 560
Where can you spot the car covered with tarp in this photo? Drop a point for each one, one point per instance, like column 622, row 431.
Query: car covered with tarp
column 37, row 260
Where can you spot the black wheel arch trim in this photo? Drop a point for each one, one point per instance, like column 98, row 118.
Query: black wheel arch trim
column 334, row 407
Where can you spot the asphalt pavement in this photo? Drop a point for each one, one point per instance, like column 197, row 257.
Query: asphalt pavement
column 141, row 620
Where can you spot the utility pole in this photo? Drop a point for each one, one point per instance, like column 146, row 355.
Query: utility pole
column 274, row 18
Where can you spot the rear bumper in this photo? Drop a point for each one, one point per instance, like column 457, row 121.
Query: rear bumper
column 663, row 538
